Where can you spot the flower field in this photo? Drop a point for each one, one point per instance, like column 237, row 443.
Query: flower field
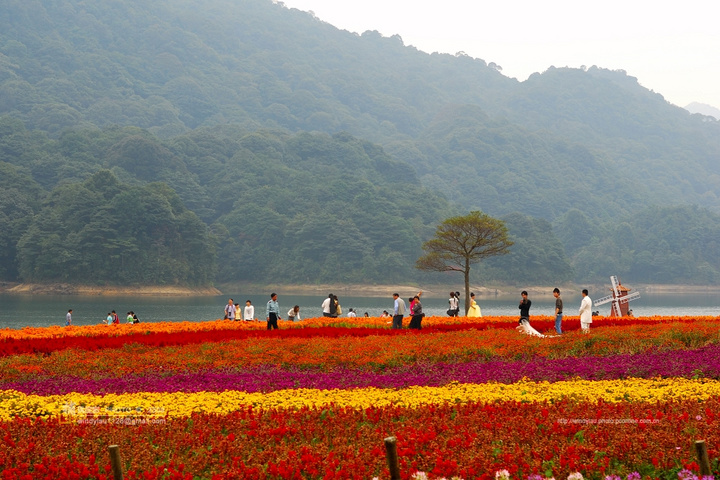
column 315, row 399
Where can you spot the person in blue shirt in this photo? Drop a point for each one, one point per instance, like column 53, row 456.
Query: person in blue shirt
column 273, row 312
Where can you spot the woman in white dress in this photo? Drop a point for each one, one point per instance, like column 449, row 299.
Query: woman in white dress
column 525, row 328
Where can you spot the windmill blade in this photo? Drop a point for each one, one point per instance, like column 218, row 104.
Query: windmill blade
column 604, row 300
column 614, row 282
column 631, row 296
column 616, row 309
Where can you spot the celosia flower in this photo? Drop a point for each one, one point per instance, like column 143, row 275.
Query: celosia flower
column 687, row 475
column 502, row 475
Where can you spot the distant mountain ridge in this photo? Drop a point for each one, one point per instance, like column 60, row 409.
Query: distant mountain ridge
column 171, row 67
column 205, row 96
column 703, row 109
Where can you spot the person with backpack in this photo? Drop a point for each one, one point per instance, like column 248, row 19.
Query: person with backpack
column 454, row 305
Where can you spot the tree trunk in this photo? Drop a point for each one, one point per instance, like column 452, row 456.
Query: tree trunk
column 467, row 286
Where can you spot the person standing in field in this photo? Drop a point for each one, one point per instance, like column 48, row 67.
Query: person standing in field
column 238, row 312
column 524, row 307
column 272, row 312
column 558, row 311
column 585, row 312
column 417, row 314
column 524, row 323
column 248, row 311
column 68, row 318
column 329, row 308
column 398, row 311
column 454, row 308
column 474, row 310
column 230, row 310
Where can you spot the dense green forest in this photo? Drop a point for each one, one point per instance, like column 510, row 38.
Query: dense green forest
column 275, row 147
column 224, row 205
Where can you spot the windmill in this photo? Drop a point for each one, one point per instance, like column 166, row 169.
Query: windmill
column 619, row 298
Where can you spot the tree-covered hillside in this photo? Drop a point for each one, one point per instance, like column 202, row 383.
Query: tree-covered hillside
column 172, row 66
column 212, row 206
column 315, row 154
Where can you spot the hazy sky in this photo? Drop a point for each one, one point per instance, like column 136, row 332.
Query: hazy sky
column 672, row 48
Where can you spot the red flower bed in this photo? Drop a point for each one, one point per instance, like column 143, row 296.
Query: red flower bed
column 472, row 441
column 14, row 346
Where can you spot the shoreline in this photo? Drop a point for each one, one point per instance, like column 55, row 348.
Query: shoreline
column 361, row 290
column 88, row 290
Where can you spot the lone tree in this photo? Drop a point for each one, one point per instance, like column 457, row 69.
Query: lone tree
column 462, row 241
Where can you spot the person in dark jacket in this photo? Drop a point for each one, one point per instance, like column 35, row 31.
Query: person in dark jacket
column 417, row 314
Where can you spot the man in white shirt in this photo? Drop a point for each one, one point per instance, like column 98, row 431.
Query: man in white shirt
column 585, row 312
column 398, row 311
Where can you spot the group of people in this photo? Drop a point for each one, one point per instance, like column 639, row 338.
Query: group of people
column 416, row 313
column 233, row 311
column 585, row 312
column 331, row 308
column 112, row 318
column 454, row 302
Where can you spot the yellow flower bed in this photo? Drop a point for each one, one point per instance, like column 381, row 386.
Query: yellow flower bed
column 16, row 404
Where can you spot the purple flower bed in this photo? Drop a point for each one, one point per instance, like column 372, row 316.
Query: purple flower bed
column 675, row 363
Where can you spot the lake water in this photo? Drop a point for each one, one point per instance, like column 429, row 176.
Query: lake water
column 39, row 311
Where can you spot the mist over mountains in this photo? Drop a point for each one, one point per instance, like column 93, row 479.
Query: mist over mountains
column 297, row 152
column 703, row 109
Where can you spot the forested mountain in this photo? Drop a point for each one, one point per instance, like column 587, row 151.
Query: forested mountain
column 266, row 205
column 310, row 154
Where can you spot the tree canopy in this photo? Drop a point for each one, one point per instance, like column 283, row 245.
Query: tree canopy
column 461, row 241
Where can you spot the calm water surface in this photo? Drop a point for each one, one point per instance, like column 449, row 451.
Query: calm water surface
column 40, row 311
